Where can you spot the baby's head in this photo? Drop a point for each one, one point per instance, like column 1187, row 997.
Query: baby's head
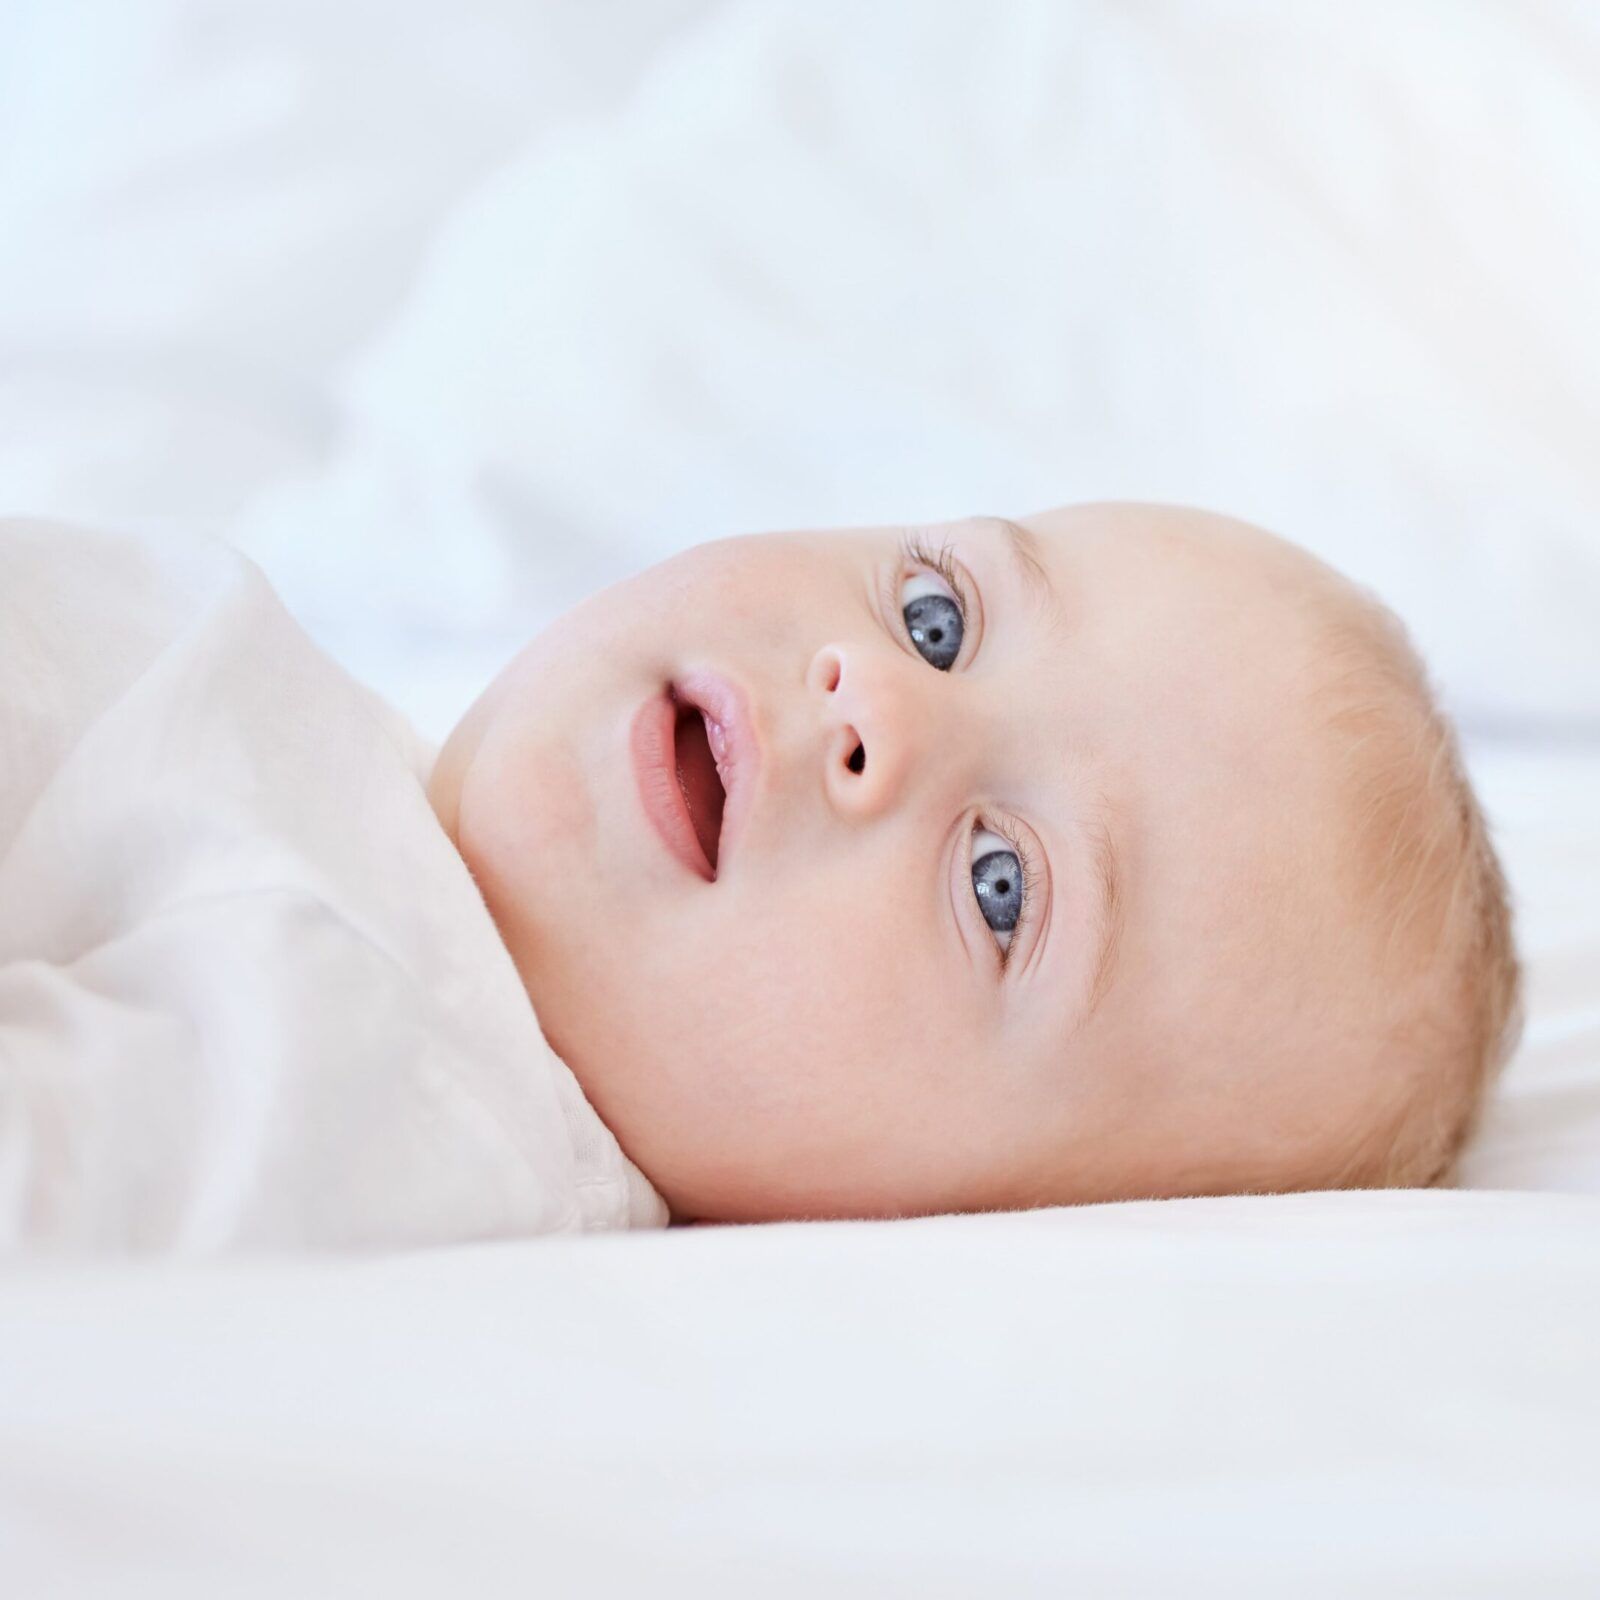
column 1115, row 852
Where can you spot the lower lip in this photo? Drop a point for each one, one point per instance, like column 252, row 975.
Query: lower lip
column 655, row 767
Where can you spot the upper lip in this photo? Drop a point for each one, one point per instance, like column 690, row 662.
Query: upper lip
column 730, row 731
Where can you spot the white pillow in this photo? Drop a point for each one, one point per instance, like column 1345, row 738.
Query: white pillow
column 1329, row 268
column 1542, row 1125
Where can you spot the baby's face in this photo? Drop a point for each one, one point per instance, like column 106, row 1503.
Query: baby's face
column 1021, row 878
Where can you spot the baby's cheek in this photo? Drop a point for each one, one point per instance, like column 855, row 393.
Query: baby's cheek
column 808, row 1013
column 522, row 818
column 558, row 804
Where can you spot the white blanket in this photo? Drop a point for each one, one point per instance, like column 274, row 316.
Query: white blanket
column 249, row 993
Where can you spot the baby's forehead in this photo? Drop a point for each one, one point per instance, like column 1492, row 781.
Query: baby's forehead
column 1182, row 538
column 1204, row 594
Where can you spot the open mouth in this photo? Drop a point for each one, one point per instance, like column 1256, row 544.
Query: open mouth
column 698, row 756
column 697, row 766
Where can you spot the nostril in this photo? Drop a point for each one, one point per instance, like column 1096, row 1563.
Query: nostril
column 858, row 759
column 825, row 669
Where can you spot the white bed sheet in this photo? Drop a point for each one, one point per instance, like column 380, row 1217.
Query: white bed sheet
column 1387, row 1393
column 1542, row 1130
column 1311, row 1395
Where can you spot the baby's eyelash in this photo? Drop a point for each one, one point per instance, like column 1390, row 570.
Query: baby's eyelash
column 916, row 552
column 1013, row 837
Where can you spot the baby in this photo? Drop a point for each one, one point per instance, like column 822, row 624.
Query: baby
column 1115, row 852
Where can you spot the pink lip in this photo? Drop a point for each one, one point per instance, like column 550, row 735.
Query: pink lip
column 731, row 735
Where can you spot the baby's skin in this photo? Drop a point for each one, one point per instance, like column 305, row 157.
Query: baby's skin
column 1034, row 883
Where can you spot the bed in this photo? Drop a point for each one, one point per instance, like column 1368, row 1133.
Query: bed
column 448, row 317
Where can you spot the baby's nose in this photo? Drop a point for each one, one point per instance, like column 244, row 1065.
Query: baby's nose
column 871, row 721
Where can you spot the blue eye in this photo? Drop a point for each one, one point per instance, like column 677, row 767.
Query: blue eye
column 997, row 883
column 933, row 620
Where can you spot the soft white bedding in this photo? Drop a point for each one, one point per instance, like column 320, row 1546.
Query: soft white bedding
column 250, row 996
column 1313, row 1396
column 1392, row 1393
column 448, row 314
column 1542, row 1130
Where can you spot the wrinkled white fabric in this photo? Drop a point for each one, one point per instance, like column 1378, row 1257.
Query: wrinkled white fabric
column 250, row 996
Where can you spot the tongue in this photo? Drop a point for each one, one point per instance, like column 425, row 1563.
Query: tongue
column 702, row 788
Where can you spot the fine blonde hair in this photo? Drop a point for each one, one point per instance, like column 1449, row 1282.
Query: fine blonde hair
column 1425, row 862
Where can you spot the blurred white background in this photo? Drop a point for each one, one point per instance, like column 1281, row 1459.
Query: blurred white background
column 449, row 311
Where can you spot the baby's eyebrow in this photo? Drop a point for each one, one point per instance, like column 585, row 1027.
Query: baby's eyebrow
column 1108, row 910
column 1030, row 567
